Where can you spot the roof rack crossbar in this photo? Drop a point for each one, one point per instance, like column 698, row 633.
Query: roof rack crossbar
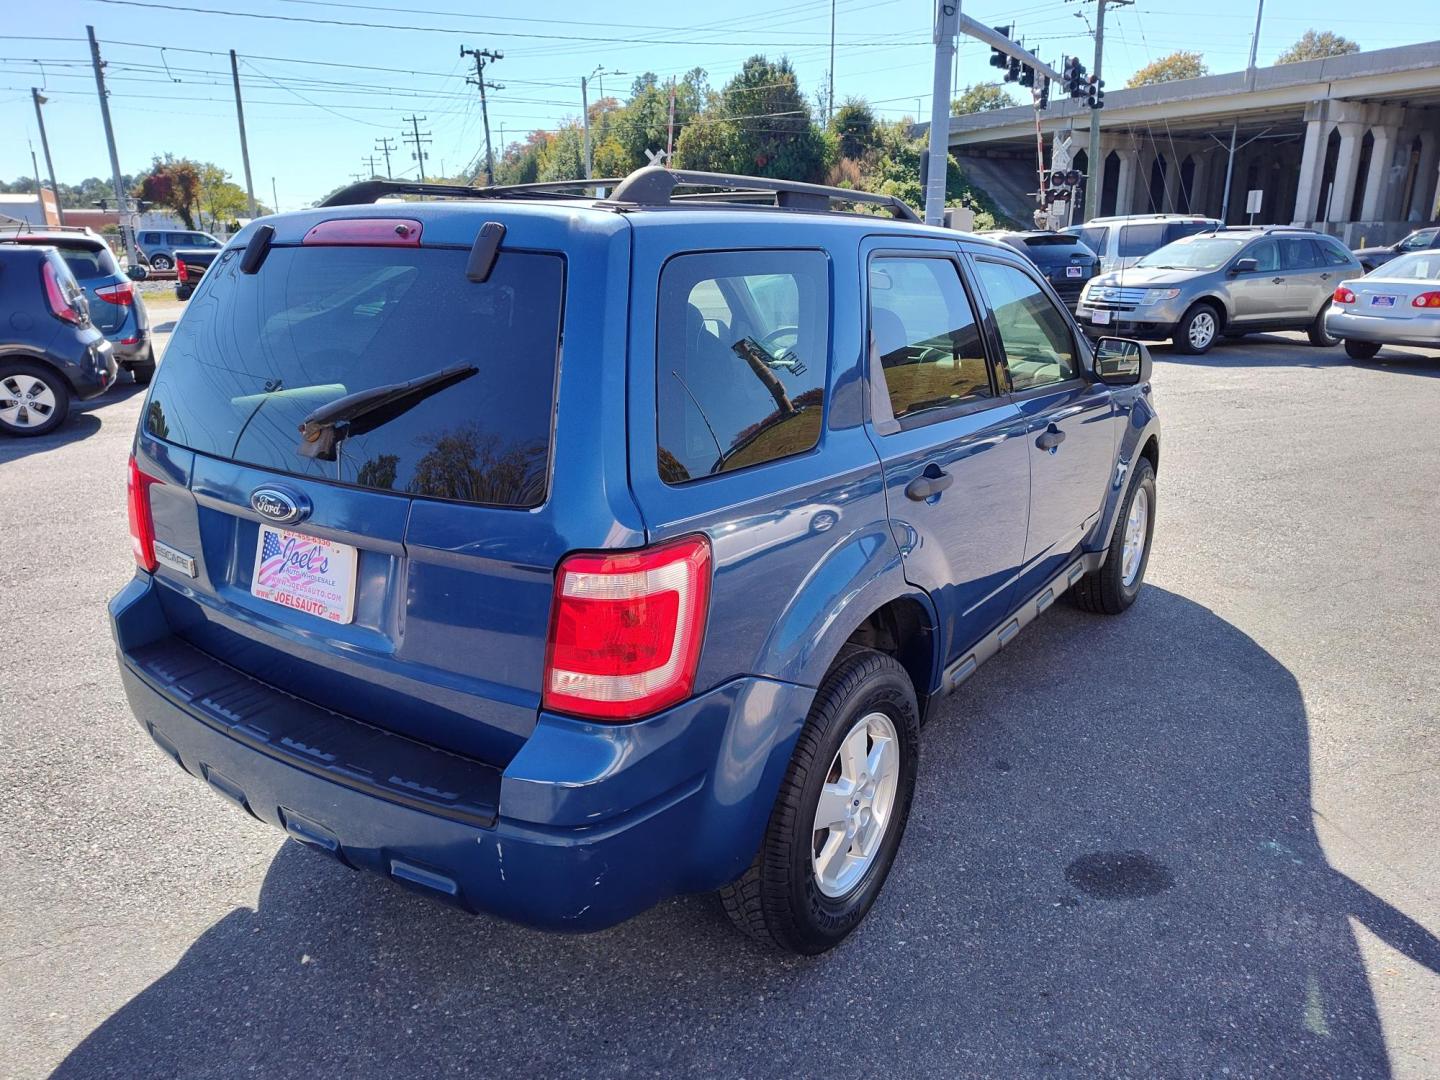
column 655, row 186
column 369, row 191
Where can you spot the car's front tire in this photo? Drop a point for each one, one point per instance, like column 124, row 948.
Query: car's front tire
column 1361, row 350
column 1114, row 587
column 34, row 399
column 1320, row 336
column 1197, row 330
column 840, row 813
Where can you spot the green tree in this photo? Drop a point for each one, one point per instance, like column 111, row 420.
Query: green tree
column 223, row 200
column 855, row 127
column 759, row 124
column 897, row 172
column 1317, row 46
column 173, row 183
column 981, row 97
column 1178, row 65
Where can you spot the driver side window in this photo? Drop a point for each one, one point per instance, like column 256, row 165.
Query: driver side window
column 1039, row 347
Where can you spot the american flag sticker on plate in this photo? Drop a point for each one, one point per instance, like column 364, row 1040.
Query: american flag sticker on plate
column 305, row 573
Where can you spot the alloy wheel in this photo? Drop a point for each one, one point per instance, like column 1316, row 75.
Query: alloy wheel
column 1133, row 551
column 25, row 401
column 1202, row 330
column 856, row 804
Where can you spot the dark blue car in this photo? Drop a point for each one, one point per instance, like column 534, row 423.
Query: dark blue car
column 553, row 555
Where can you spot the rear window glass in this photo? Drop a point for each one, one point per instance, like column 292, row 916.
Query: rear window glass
column 256, row 353
column 1048, row 241
column 741, row 351
column 87, row 263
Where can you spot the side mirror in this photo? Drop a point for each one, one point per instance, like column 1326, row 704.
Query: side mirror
column 1121, row 362
column 137, row 273
column 1245, row 266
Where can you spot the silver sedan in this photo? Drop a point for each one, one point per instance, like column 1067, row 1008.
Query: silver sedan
column 1395, row 304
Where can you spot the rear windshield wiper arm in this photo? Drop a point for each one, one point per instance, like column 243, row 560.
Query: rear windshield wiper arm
column 361, row 411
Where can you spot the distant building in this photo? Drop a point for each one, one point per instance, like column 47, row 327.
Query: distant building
column 1348, row 144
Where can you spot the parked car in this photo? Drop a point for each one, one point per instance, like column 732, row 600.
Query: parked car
column 555, row 556
column 1064, row 260
column 115, row 305
column 1120, row 242
column 50, row 351
column 1233, row 282
column 1396, row 304
column 158, row 246
column 190, row 267
column 1419, row 240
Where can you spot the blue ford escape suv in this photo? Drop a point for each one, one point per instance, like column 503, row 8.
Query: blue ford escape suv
column 553, row 555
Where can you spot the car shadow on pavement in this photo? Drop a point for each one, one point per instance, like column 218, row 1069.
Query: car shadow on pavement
column 1111, row 869
column 85, row 419
column 1264, row 350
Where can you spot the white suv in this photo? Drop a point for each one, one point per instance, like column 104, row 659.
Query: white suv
column 1124, row 241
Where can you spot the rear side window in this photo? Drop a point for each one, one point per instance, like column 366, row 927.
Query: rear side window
column 741, row 348
column 1136, row 240
column 924, row 339
column 1039, row 348
column 1094, row 239
column 256, row 353
column 1336, row 254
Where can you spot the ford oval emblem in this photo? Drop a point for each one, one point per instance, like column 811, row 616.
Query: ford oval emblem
column 278, row 505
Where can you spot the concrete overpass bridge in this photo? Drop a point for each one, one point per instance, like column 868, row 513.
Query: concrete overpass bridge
column 1348, row 144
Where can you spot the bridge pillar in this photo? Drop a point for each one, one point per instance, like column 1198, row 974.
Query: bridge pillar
column 1422, row 203
column 1312, row 164
column 1125, row 189
column 1347, row 166
column 1377, row 182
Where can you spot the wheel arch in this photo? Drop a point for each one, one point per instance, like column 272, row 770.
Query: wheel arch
column 25, row 356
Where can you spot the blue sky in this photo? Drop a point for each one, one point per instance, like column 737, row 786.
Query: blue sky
column 310, row 125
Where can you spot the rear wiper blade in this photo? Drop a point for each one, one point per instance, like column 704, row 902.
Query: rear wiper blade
column 364, row 410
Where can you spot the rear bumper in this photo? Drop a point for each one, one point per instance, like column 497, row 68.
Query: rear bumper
column 587, row 825
column 1423, row 331
column 95, row 371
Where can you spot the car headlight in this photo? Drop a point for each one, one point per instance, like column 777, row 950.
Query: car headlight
column 1154, row 296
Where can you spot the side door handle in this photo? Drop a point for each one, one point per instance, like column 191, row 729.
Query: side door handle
column 1277, row 281
column 1050, row 438
column 929, row 483
column 1325, row 277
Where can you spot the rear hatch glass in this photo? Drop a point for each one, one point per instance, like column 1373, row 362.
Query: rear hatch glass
column 257, row 353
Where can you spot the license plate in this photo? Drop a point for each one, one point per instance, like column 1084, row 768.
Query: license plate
column 1382, row 301
column 1100, row 318
column 305, row 573
column 1074, row 271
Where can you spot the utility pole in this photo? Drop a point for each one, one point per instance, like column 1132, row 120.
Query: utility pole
column 386, row 144
column 947, row 26
column 417, row 140
column 1235, row 124
column 830, row 93
column 244, row 146
column 369, row 160
column 1094, row 167
column 45, row 145
column 274, row 194
column 670, row 125
column 585, row 121
column 483, row 57
column 122, row 200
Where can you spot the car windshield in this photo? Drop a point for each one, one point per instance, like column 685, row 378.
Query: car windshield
column 1421, row 266
column 1206, row 253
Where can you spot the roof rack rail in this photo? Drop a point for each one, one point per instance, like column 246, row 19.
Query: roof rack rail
column 369, row 191
column 655, row 186
column 30, row 226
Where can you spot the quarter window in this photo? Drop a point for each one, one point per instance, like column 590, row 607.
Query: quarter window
column 1335, row 253
column 925, row 344
column 741, row 349
column 1039, row 347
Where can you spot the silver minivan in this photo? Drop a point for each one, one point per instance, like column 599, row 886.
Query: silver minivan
column 1123, row 241
column 1231, row 282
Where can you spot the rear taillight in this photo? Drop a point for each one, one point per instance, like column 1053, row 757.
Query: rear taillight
column 60, row 305
column 1344, row 296
column 142, row 525
column 626, row 630
column 181, row 273
column 121, row 295
column 1426, row 300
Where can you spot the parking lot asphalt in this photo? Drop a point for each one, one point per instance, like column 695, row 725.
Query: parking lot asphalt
column 1198, row 839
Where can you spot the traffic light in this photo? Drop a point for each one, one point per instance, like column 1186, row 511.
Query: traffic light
column 1074, row 73
column 998, row 58
column 1012, row 73
column 1095, row 93
column 1027, row 75
column 1043, row 101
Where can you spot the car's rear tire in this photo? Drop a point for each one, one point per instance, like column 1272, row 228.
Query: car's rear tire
column 34, row 399
column 1319, row 336
column 1114, row 587
column 162, row 262
column 143, row 370
column 1197, row 330
column 182, row 292
column 1361, row 350
column 859, row 750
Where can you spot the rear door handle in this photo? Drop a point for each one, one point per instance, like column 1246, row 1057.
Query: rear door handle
column 929, row 483
column 1324, row 277
column 1050, row 438
column 1277, row 281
